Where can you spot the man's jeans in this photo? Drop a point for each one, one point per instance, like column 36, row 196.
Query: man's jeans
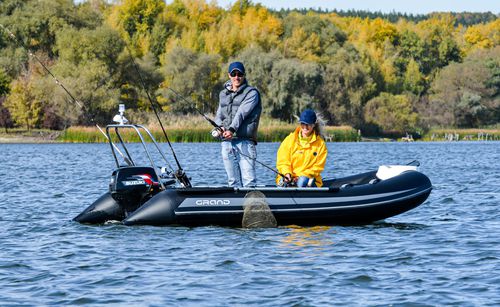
column 239, row 160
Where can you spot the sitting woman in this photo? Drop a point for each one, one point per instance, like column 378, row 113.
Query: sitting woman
column 302, row 154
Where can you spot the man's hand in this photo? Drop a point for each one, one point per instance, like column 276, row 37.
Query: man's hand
column 288, row 178
column 227, row 134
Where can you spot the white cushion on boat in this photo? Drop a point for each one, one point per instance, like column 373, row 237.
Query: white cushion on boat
column 389, row 171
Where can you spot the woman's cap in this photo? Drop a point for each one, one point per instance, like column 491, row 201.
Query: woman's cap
column 236, row 66
column 308, row 117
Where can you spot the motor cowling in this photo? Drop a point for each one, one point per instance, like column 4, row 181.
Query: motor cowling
column 132, row 186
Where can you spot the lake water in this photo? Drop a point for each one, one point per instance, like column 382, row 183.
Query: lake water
column 445, row 252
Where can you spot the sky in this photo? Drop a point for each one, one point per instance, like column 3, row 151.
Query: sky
column 384, row 6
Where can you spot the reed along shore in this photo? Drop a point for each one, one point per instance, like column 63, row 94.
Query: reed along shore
column 202, row 135
column 80, row 134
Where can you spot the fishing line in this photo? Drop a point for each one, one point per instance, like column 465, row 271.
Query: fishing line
column 81, row 105
column 219, row 128
column 255, row 159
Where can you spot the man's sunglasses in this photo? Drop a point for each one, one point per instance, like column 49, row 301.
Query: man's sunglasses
column 236, row 73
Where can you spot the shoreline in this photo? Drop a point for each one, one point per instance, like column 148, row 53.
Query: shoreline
column 39, row 137
column 26, row 140
column 84, row 136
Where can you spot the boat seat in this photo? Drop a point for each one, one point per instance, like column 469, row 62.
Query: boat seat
column 359, row 179
column 349, row 185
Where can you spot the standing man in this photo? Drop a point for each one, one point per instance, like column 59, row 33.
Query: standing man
column 238, row 115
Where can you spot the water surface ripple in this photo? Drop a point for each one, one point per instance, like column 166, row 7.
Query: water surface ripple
column 444, row 252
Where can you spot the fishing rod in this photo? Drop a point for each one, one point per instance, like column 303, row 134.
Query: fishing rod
column 266, row 166
column 219, row 128
column 179, row 174
column 30, row 53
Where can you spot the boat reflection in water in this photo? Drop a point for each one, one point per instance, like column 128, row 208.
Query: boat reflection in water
column 316, row 236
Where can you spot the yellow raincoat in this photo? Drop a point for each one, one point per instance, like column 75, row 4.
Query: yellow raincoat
column 302, row 160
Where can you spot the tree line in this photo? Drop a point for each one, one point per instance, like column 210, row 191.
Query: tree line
column 461, row 18
column 368, row 72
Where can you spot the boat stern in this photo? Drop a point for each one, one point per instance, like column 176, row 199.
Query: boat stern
column 158, row 211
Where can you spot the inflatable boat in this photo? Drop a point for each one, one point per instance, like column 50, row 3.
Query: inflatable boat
column 358, row 199
column 149, row 195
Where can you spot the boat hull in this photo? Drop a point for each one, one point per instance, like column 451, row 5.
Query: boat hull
column 338, row 204
column 359, row 199
column 104, row 209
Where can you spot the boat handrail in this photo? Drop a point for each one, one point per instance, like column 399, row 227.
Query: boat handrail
column 137, row 129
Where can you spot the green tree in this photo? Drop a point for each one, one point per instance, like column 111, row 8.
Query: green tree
column 36, row 23
column 93, row 66
column 4, row 83
column 5, row 118
column 80, row 46
column 413, row 78
column 259, row 64
column 92, row 85
column 140, row 78
column 286, row 86
column 346, row 87
column 90, row 14
column 12, row 60
column 293, row 87
column 439, row 46
column 310, row 37
column 162, row 29
column 23, row 104
column 194, row 76
column 470, row 111
column 135, row 19
column 408, row 62
column 466, row 94
column 7, row 7
column 391, row 113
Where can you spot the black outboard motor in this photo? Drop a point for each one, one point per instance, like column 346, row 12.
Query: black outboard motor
column 132, row 186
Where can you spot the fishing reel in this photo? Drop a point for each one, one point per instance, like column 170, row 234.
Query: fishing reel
column 283, row 184
column 217, row 132
column 183, row 179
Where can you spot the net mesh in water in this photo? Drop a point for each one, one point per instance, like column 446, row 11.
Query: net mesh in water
column 257, row 213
